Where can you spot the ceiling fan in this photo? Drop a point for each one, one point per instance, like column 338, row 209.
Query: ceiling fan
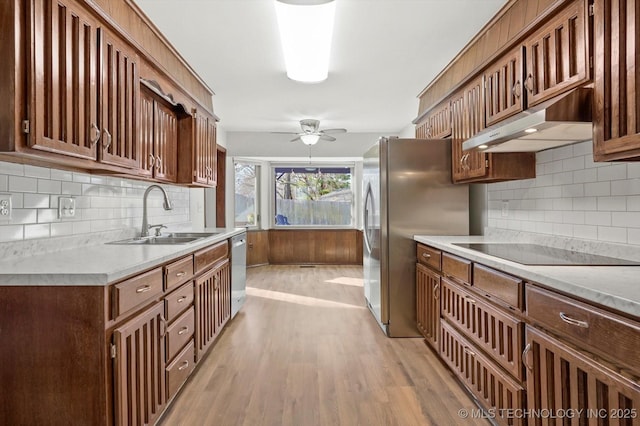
column 311, row 133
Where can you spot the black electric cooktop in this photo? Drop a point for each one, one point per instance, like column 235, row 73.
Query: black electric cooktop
column 533, row 254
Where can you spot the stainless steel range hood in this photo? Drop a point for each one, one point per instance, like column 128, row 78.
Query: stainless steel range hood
column 560, row 121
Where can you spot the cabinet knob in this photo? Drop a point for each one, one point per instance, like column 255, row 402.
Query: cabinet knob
column 426, row 255
column 469, row 351
column 181, row 274
column 95, row 134
column 108, row 139
column 516, row 89
column 528, row 83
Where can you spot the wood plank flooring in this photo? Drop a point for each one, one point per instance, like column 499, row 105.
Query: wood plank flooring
column 304, row 350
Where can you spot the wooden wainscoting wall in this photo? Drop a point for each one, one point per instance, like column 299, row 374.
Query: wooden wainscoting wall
column 257, row 248
column 315, row 246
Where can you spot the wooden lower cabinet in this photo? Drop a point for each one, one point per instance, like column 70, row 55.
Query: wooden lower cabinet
column 560, row 378
column 139, row 368
column 428, row 304
column 495, row 390
column 213, row 305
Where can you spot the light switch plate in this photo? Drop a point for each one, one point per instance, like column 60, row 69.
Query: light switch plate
column 505, row 208
column 5, row 207
column 66, row 207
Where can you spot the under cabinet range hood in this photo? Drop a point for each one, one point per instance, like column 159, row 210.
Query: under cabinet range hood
column 559, row 121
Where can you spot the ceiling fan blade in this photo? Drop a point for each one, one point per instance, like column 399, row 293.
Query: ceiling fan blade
column 284, row 133
column 333, row 131
column 327, row 138
column 296, row 139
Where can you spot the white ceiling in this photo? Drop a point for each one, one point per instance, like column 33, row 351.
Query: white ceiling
column 384, row 52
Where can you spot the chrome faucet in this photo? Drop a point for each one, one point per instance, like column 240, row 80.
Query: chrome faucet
column 166, row 205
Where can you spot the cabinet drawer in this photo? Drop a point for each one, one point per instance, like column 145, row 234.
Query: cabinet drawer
column 135, row 291
column 210, row 255
column 178, row 272
column 179, row 370
column 499, row 334
column 180, row 332
column 595, row 330
column 499, row 286
column 178, row 301
column 430, row 257
column 456, row 267
column 492, row 387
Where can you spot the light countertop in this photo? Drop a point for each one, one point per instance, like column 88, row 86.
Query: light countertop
column 617, row 287
column 98, row 264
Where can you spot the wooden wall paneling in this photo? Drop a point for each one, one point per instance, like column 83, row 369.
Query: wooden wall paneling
column 319, row 246
column 65, row 361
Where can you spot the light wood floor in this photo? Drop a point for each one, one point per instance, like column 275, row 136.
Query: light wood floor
column 304, row 350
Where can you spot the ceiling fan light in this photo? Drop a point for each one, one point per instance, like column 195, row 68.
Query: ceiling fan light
column 306, row 29
column 310, row 139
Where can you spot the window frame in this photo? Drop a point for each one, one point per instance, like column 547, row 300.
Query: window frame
column 258, row 195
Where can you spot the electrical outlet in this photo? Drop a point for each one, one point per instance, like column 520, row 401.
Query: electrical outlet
column 5, row 206
column 66, row 207
column 505, row 208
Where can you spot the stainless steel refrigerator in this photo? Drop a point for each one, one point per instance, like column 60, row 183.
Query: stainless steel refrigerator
column 407, row 190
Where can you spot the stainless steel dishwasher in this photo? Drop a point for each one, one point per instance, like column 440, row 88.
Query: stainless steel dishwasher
column 238, row 272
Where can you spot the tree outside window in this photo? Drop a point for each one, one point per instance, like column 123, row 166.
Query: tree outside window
column 246, row 194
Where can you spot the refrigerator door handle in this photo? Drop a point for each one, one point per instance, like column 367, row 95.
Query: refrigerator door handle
column 367, row 200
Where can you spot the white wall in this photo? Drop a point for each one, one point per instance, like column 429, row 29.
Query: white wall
column 572, row 197
column 102, row 203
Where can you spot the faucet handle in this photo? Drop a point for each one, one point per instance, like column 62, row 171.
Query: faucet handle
column 158, row 228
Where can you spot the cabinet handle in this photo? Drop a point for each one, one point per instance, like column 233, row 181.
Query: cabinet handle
column 528, row 83
column 470, row 300
column 426, row 255
column 181, row 274
column 184, row 365
column 143, row 289
column 183, row 330
column 95, row 134
column 163, row 326
column 152, row 160
column 573, row 321
column 182, row 299
column 469, row 351
column 158, row 162
column 436, row 291
column 108, row 139
column 525, row 354
column 516, row 90
column 215, row 282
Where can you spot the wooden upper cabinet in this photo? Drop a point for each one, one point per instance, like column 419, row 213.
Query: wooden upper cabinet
column 63, row 79
column 503, row 87
column 119, row 93
column 158, row 133
column 198, row 155
column 436, row 124
column 558, row 54
column 616, row 111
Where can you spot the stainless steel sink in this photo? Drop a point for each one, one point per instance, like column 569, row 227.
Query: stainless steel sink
column 167, row 239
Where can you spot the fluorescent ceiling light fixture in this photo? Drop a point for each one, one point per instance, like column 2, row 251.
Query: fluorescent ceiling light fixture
column 310, row 139
column 306, row 27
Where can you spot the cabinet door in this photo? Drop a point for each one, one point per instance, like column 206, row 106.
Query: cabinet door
column 617, row 87
column 223, row 294
column 165, row 142
column 561, row 378
column 558, row 55
column 201, row 149
column 212, row 152
column 63, row 79
column 428, row 304
column 119, row 93
column 503, row 87
column 145, row 134
column 139, row 368
column 213, row 305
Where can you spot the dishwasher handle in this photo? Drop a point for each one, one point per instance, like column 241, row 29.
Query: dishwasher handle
column 239, row 243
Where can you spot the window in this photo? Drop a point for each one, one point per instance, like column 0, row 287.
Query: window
column 246, row 194
column 313, row 196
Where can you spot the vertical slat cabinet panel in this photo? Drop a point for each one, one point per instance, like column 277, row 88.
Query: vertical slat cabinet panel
column 503, row 87
column 457, row 136
column 139, row 368
column 165, row 142
column 146, row 135
column 561, row 378
column 428, row 304
column 222, row 294
column 617, row 80
column 63, row 79
column 494, row 389
column 205, row 312
column 119, row 93
column 558, row 55
column 474, row 162
column 200, row 151
column 212, row 152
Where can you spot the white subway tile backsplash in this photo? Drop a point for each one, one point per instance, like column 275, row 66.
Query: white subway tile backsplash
column 626, row 219
column 587, row 232
column 562, row 152
column 563, row 204
column 611, row 234
column 597, row 189
column 544, row 156
column 625, row 187
column 571, row 164
column 612, row 203
column 633, row 170
column 612, row 172
column 586, row 175
column 582, row 148
column 23, row 184
column 633, row 203
column 577, row 218
column 565, row 230
column 585, row 203
column 633, row 236
column 575, row 190
column 597, row 218
column 103, row 203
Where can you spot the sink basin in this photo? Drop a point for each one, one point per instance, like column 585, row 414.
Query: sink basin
column 157, row 240
column 190, row 234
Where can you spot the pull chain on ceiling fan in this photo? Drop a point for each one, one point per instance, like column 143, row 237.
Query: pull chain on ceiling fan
column 311, row 133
